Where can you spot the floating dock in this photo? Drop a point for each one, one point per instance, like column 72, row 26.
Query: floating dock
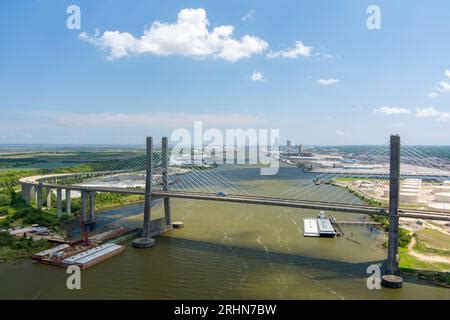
column 364, row 223
column 310, row 227
column 43, row 255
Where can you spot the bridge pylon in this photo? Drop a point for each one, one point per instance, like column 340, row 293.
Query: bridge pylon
column 146, row 241
column 165, row 178
column 391, row 278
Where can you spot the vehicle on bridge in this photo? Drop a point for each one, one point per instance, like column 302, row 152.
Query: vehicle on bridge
column 221, row 194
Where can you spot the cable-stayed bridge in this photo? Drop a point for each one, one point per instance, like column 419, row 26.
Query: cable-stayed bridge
column 372, row 182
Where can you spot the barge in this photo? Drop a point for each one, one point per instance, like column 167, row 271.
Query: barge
column 310, row 227
column 93, row 256
column 320, row 227
column 86, row 253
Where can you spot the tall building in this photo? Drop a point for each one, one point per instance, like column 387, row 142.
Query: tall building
column 300, row 150
column 288, row 143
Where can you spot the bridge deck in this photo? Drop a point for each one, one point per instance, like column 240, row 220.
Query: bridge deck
column 258, row 200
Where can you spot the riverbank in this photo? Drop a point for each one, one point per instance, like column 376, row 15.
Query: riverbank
column 415, row 256
column 255, row 252
column 13, row 249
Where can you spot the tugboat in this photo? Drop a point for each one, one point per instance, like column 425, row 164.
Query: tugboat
column 321, row 215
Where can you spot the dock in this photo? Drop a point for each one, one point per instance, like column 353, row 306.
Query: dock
column 365, row 223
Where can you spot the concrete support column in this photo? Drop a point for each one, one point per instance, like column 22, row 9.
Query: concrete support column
column 23, row 190
column 31, row 193
column 26, row 194
column 145, row 241
column 92, row 207
column 39, row 196
column 59, row 202
column 48, row 194
column 165, row 178
column 68, row 202
column 83, row 206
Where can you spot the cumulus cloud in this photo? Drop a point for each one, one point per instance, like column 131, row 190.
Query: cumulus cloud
column 447, row 73
column 299, row 50
column 443, row 86
column 188, row 36
column 391, row 110
column 257, row 76
column 431, row 112
column 327, row 82
column 433, row 94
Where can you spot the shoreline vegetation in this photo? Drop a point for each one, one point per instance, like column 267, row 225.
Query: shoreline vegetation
column 416, row 256
column 14, row 212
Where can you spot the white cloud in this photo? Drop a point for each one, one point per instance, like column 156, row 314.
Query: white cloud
column 443, row 86
column 300, row 50
column 257, row 76
column 188, row 36
column 325, row 56
column 327, row 82
column 447, row 73
column 432, row 113
column 340, row 133
column 433, row 94
column 248, row 16
column 391, row 110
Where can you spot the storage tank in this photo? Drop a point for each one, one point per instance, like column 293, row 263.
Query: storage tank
column 407, row 197
column 440, row 206
column 437, row 189
column 442, row 197
column 409, row 190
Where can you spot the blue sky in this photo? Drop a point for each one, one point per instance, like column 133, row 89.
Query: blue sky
column 345, row 84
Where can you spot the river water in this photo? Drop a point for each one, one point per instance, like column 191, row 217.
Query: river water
column 227, row 251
